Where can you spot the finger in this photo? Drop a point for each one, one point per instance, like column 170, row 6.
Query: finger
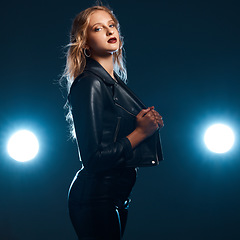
column 159, row 118
column 150, row 114
column 144, row 112
column 160, row 124
column 156, row 113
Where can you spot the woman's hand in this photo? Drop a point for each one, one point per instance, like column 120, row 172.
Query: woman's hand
column 148, row 121
column 158, row 118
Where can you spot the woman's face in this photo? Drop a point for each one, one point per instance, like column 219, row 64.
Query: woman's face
column 102, row 28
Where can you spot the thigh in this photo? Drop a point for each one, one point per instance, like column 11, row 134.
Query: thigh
column 95, row 221
column 123, row 214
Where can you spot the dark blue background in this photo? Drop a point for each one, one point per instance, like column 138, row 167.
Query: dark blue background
column 183, row 58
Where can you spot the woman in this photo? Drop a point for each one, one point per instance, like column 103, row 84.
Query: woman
column 114, row 130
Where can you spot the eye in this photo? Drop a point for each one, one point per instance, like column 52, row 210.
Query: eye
column 97, row 29
column 112, row 25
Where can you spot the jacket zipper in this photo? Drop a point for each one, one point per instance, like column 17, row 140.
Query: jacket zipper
column 117, row 129
column 125, row 109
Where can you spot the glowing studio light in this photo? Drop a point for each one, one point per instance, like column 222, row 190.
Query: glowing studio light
column 23, row 146
column 219, row 138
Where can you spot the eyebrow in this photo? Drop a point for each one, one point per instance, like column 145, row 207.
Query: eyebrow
column 101, row 23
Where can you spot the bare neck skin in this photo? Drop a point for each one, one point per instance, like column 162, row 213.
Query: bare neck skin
column 107, row 63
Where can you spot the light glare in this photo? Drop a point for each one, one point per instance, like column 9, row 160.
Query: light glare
column 23, row 146
column 219, row 138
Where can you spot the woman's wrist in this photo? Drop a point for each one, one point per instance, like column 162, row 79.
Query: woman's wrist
column 136, row 137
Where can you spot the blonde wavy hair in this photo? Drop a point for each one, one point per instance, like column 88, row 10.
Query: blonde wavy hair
column 76, row 60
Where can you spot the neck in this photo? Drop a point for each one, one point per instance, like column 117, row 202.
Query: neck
column 107, row 63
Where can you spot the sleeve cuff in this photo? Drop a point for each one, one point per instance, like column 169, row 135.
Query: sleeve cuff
column 127, row 147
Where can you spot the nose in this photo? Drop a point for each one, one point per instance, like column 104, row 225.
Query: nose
column 110, row 31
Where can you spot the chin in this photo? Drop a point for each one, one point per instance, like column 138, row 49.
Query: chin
column 112, row 50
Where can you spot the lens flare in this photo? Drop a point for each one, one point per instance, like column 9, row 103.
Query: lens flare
column 23, row 146
column 219, row 138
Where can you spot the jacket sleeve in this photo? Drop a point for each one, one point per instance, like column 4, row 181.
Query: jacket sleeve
column 86, row 99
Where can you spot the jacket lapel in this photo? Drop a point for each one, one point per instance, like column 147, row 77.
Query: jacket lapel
column 122, row 95
column 129, row 91
column 96, row 68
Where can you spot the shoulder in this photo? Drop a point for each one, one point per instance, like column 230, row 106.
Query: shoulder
column 85, row 82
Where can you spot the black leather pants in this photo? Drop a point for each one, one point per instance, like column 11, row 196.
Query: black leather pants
column 98, row 221
column 98, row 203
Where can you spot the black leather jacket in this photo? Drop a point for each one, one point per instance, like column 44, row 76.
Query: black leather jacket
column 104, row 113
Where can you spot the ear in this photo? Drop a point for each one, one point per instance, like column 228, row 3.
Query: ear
column 86, row 46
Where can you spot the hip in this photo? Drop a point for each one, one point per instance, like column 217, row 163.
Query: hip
column 115, row 185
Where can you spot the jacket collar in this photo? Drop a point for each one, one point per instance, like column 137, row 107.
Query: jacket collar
column 96, row 68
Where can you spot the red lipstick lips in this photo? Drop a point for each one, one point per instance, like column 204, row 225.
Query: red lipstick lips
column 112, row 40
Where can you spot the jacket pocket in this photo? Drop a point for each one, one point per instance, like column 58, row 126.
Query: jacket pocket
column 117, row 129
